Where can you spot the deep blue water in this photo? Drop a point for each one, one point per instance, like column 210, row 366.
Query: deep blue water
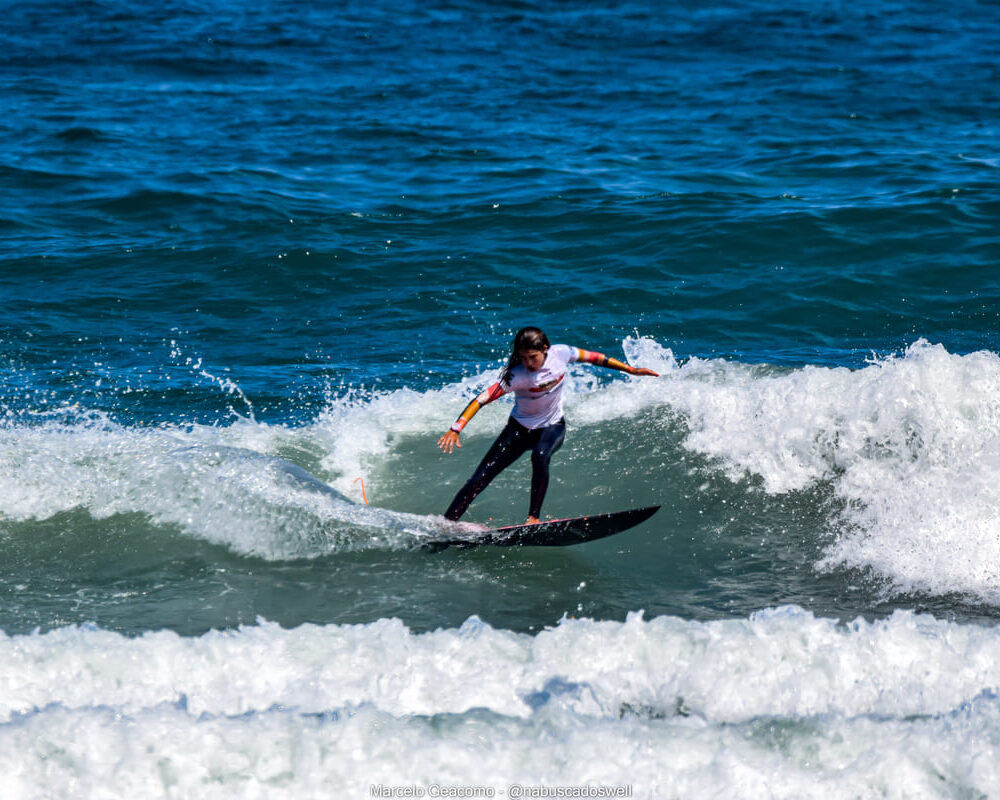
column 283, row 183
column 243, row 242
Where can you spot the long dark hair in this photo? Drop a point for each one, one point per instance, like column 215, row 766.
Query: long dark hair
column 525, row 339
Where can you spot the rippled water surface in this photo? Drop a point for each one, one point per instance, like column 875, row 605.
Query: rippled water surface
column 258, row 255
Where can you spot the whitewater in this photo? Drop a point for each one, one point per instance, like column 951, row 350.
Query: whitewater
column 782, row 704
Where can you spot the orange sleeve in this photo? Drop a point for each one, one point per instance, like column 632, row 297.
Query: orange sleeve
column 486, row 396
column 601, row 360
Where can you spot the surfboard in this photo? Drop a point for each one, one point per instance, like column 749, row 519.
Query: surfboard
column 553, row 533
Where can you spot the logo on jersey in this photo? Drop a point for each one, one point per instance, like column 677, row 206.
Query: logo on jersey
column 544, row 387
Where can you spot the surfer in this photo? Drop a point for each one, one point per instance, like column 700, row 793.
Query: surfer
column 534, row 373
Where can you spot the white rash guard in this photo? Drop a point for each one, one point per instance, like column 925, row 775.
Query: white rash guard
column 538, row 395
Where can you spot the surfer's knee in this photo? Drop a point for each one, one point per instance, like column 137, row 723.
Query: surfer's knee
column 540, row 459
column 542, row 454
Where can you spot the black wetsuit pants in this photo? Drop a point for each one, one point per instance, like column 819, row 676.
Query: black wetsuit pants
column 511, row 444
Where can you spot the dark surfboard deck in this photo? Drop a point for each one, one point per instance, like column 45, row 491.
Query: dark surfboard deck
column 553, row 533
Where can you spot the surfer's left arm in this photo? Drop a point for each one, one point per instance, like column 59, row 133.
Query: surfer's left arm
column 602, row 360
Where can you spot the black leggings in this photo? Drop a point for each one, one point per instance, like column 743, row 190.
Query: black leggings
column 510, row 445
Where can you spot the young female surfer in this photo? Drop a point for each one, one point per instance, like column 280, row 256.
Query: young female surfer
column 534, row 373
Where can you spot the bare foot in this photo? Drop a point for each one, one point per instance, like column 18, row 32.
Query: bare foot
column 532, row 521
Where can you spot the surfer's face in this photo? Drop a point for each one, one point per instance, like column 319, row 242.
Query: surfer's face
column 532, row 359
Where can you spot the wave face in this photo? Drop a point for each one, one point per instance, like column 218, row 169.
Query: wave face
column 838, row 489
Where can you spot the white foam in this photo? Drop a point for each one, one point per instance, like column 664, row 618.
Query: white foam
column 205, row 480
column 779, row 705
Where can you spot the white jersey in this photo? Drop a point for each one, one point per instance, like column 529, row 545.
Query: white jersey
column 538, row 395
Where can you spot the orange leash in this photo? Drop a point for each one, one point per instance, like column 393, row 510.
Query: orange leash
column 363, row 495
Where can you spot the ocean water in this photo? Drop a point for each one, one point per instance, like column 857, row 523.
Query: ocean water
column 258, row 258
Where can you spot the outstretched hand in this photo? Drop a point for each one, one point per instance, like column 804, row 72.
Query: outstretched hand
column 643, row 371
column 449, row 441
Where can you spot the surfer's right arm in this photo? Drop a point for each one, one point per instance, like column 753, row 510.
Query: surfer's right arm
column 450, row 439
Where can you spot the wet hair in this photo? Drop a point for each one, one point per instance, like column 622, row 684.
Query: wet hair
column 525, row 339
